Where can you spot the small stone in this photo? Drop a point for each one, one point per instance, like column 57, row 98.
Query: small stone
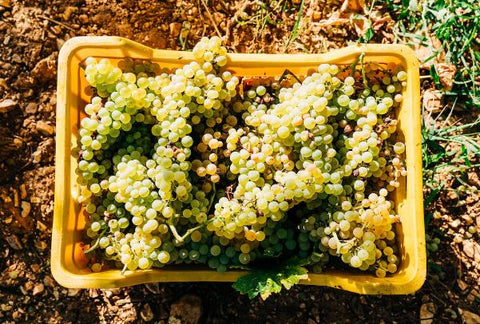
column 427, row 313
column 93, row 293
column 26, row 208
column 35, row 200
column 14, row 242
column 83, row 18
column 72, row 292
column 16, row 58
column 455, row 223
column 49, row 281
column 41, row 226
column 5, row 307
column 469, row 317
column 462, row 284
column 5, row 3
column 187, row 309
column 68, row 12
column 16, row 200
column 38, row 289
column 60, row 43
column 35, row 267
column 40, row 245
column 44, row 128
column 457, row 238
column 23, row 191
column 31, row 108
column 7, row 105
column 29, row 285
column 175, row 28
column 124, row 301
column 146, row 313
column 46, row 69
column 469, row 249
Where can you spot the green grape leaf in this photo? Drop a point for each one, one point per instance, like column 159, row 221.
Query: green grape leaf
column 264, row 282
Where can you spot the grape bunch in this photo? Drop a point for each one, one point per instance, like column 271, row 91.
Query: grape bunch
column 197, row 165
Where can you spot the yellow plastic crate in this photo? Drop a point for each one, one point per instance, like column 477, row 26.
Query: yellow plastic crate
column 67, row 262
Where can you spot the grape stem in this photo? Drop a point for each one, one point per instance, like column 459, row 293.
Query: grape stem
column 214, row 191
column 354, row 68
column 188, row 232
column 96, row 244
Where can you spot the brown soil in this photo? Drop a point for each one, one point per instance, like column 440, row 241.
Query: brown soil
column 32, row 32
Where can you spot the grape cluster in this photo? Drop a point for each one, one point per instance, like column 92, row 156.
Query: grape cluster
column 192, row 166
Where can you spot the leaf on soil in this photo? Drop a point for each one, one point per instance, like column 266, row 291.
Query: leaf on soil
column 348, row 9
column 334, row 20
column 353, row 12
column 428, row 49
column 357, row 6
column 446, row 74
column 432, row 100
column 264, row 282
column 380, row 21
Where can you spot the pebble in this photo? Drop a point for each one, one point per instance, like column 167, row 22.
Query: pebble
column 83, row 18
column 187, row 309
column 26, row 208
column 68, row 12
column 38, row 289
column 455, row 223
column 31, row 108
column 72, row 292
column 469, row 249
column 35, row 200
column 49, row 281
column 175, row 29
column 469, row 317
column 7, row 105
column 41, row 226
column 23, row 191
column 60, row 43
column 35, row 267
column 44, row 128
column 110, row 292
column 28, row 286
column 14, row 242
column 93, row 293
column 146, row 313
column 40, row 245
column 5, row 3
column 462, row 284
column 427, row 313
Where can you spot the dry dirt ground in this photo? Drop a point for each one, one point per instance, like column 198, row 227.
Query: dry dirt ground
column 31, row 34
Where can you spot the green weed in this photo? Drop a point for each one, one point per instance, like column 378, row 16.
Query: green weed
column 455, row 23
